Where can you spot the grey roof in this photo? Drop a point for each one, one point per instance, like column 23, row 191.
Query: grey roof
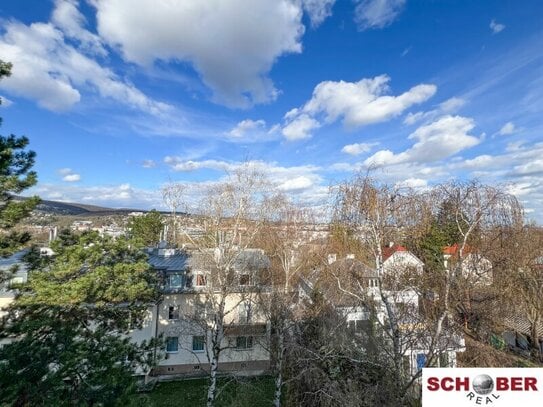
column 14, row 259
column 181, row 260
column 175, row 262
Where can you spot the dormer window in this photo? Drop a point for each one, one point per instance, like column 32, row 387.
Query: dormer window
column 175, row 280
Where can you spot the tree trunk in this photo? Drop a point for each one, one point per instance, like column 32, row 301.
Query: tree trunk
column 212, row 389
column 279, row 369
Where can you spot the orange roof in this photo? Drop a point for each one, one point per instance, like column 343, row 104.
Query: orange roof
column 454, row 249
column 390, row 250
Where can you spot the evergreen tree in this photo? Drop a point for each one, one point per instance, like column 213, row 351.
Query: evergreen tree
column 69, row 323
column 145, row 230
column 15, row 177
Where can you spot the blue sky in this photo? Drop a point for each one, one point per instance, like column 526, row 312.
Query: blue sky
column 119, row 97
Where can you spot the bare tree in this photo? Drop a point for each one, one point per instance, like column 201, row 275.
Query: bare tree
column 285, row 241
column 173, row 195
column 233, row 212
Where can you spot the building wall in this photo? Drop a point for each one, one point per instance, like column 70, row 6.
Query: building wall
column 186, row 361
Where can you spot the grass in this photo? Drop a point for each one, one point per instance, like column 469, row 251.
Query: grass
column 238, row 392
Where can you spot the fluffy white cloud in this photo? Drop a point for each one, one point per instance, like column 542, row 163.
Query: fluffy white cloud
column 52, row 72
column 507, row 129
column 296, row 184
column 434, row 142
column 68, row 175
column 496, row 27
column 71, row 178
column 300, row 128
column 355, row 103
column 377, row 13
column 232, row 44
column 252, row 131
column 357, row 148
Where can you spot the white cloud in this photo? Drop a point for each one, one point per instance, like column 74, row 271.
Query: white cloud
column 71, row 178
column 114, row 196
column 296, row 184
column 377, row 13
column 68, row 175
column 252, row 131
column 451, row 105
column 357, row 148
column 415, row 183
column 52, row 72
column 148, row 164
column 507, row 129
column 496, row 27
column 5, row 102
column 355, row 103
column 232, row 44
column 69, row 19
column 434, row 142
column 318, row 10
column 300, row 128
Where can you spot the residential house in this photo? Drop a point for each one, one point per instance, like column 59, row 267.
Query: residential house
column 473, row 265
column 338, row 281
column 185, row 316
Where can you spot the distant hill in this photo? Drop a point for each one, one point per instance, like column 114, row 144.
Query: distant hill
column 69, row 208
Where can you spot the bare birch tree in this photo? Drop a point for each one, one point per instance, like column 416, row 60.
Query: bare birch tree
column 233, row 212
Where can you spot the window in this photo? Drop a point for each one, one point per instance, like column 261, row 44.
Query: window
column 358, row 325
column 173, row 312
column 172, row 344
column 244, row 342
column 200, row 280
column 176, row 280
column 198, row 343
column 244, row 312
column 244, row 279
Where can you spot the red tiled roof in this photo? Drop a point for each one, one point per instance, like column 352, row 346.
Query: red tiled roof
column 454, row 249
column 389, row 251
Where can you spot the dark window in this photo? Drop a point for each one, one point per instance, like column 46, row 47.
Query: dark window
column 198, row 343
column 172, row 344
column 173, row 312
column 244, row 279
column 244, row 342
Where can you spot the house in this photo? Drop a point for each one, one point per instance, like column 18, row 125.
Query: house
column 398, row 258
column 338, row 280
column 473, row 265
column 185, row 316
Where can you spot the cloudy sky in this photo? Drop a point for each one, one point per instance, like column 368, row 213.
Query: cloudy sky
column 120, row 96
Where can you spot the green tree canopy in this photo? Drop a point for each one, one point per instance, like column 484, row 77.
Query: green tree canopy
column 69, row 323
column 145, row 230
